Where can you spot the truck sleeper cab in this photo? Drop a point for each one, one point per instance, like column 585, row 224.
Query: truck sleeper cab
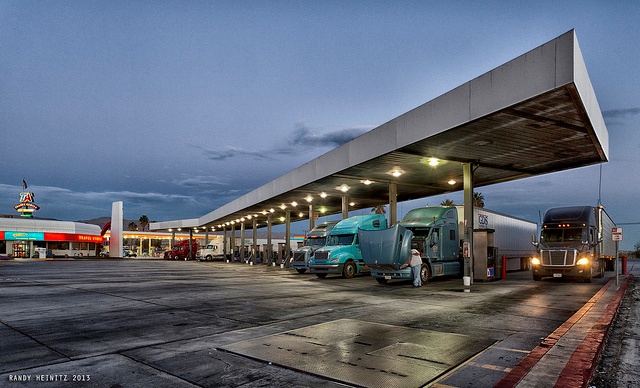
column 575, row 242
column 315, row 239
column 342, row 253
column 433, row 231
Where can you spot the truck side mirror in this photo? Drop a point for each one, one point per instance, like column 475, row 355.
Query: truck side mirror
column 534, row 240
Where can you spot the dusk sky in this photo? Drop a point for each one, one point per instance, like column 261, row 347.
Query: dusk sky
column 179, row 107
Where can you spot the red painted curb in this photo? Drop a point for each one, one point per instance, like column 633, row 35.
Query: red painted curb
column 582, row 362
column 512, row 378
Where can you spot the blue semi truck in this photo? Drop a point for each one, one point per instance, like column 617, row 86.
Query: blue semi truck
column 342, row 254
column 437, row 233
column 315, row 239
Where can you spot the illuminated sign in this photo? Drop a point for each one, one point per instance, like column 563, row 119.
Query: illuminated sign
column 26, row 206
column 45, row 236
column 31, row 236
column 72, row 237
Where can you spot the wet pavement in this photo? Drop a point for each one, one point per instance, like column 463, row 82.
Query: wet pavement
column 135, row 323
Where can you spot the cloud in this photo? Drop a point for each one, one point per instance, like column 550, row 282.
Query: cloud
column 619, row 113
column 304, row 135
column 232, row 151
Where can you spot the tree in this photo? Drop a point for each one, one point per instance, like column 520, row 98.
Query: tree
column 447, row 202
column 144, row 222
column 381, row 209
column 132, row 226
column 478, row 199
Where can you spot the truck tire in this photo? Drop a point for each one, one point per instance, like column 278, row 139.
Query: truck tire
column 425, row 273
column 209, row 258
column 349, row 270
column 381, row 280
column 537, row 278
column 301, row 270
column 176, row 257
column 600, row 273
column 321, row 275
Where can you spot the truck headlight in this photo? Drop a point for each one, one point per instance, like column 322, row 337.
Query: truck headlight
column 535, row 261
column 583, row 261
column 336, row 260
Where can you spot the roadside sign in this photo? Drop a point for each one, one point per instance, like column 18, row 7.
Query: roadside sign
column 617, row 234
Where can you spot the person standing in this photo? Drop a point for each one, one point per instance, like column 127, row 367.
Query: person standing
column 415, row 261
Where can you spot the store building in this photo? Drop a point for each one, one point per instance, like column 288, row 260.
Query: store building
column 28, row 237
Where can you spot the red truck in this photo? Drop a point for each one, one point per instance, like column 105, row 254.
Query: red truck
column 182, row 251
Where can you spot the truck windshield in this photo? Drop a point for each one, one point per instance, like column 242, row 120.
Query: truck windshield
column 341, row 239
column 563, row 235
column 315, row 241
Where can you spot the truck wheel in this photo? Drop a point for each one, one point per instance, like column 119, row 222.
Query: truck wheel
column 425, row 273
column 381, row 280
column 209, row 258
column 589, row 277
column 601, row 265
column 349, row 270
column 176, row 257
column 301, row 270
column 321, row 275
column 537, row 278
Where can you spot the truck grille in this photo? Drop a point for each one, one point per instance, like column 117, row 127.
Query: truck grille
column 559, row 257
column 298, row 256
column 321, row 255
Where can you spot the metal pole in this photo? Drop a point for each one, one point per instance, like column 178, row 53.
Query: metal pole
column 393, row 203
column 617, row 265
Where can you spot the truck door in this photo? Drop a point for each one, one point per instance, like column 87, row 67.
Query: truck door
column 433, row 247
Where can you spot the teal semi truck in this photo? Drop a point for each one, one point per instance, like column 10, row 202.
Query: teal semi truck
column 437, row 233
column 342, row 254
column 575, row 242
column 315, row 239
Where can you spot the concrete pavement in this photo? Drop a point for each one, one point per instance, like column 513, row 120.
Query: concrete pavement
column 137, row 323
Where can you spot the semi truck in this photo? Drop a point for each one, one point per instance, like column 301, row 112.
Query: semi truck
column 315, row 239
column 182, row 250
column 437, row 233
column 575, row 242
column 209, row 253
column 342, row 253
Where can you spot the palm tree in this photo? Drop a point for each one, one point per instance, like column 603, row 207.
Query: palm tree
column 478, row 199
column 132, row 226
column 447, row 202
column 144, row 222
column 380, row 209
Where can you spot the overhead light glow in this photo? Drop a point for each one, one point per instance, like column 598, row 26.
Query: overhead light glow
column 352, row 203
column 283, row 206
column 434, row 161
column 323, row 195
column 309, row 198
column 294, row 203
column 366, row 182
column 343, row 187
column 323, row 210
column 452, row 182
column 396, row 173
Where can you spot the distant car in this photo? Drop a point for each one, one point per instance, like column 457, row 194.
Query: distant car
column 129, row 254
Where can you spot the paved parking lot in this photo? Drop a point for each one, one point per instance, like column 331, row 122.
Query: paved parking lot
column 135, row 323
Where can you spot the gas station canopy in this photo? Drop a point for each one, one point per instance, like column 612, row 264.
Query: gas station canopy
column 533, row 115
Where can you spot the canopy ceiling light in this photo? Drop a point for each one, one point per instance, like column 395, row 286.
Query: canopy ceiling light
column 343, row 187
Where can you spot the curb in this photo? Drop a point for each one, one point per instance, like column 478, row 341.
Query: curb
column 579, row 368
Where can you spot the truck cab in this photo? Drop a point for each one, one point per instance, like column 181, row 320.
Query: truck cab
column 433, row 231
column 209, row 253
column 342, row 253
column 182, row 251
column 315, row 239
column 571, row 244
